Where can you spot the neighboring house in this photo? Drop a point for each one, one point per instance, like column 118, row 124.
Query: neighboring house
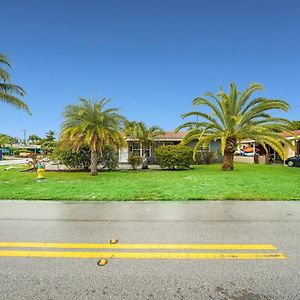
column 257, row 148
column 26, row 148
column 22, row 150
column 168, row 138
column 296, row 142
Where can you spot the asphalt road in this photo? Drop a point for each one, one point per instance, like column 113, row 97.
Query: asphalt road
column 150, row 223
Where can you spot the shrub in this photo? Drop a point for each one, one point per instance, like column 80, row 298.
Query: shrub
column 134, row 161
column 48, row 146
column 16, row 151
column 109, row 160
column 205, row 157
column 80, row 160
column 174, row 157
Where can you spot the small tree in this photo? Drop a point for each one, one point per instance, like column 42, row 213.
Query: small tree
column 48, row 144
column 4, row 140
column 205, row 157
column 134, row 161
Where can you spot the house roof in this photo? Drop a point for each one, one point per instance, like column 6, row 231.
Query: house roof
column 178, row 136
column 295, row 132
column 171, row 135
column 21, row 146
column 168, row 136
column 285, row 134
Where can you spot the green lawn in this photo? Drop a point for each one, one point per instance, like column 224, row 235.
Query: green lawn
column 259, row 182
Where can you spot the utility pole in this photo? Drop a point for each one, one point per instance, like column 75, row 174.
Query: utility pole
column 24, row 135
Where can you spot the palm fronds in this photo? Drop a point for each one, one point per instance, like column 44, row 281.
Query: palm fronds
column 9, row 92
column 235, row 116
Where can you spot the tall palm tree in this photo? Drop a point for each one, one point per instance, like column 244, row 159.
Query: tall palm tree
column 89, row 123
column 144, row 135
column 9, row 92
column 50, row 136
column 234, row 117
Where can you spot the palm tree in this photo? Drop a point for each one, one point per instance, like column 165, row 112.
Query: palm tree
column 9, row 92
column 88, row 123
column 234, row 117
column 144, row 135
column 50, row 136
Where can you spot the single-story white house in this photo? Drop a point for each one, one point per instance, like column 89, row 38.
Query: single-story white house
column 168, row 138
column 174, row 138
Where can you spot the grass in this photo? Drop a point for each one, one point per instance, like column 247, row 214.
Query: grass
column 246, row 182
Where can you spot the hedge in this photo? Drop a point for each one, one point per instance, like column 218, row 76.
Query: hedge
column 174, row 157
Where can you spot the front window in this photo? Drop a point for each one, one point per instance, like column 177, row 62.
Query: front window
column 204, row 149
column 168, row 143
column 136, row 149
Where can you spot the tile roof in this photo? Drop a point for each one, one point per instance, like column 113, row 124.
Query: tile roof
column 168, row 135
column 171, row 135
column 286, row 134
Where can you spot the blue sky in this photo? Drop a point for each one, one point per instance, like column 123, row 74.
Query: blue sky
column 151, row 57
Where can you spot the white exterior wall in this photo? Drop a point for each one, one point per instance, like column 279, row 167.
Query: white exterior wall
column 289, row 151
column 250, row 159
column 262, row 159
column 123, row 155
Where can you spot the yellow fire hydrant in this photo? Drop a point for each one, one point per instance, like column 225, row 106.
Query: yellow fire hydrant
column 40, row 171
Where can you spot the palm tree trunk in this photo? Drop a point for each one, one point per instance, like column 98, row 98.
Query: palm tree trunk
column 230, row 148
column 94, row 163
column 228, row 162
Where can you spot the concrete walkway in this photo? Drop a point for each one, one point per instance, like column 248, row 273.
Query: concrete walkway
column 51, row 166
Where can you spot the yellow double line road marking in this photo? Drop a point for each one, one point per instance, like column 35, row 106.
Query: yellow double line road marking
column 140, row 246
column 141, row 255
